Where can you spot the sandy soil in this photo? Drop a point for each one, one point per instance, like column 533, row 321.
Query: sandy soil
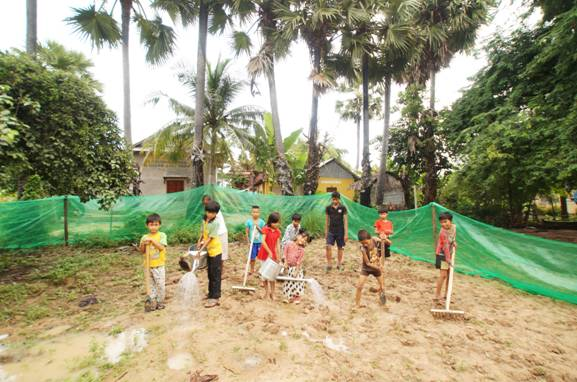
column 507, row 335
column 569, row 235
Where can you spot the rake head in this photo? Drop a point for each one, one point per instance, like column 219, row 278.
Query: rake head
column 447, row 314
column 244, row 288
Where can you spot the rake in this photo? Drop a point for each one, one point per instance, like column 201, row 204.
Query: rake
column 447, row 313
column 243, row 287
column 148, row 302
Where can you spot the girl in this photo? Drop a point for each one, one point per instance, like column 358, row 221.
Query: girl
column 270, row 247
column 294, row 253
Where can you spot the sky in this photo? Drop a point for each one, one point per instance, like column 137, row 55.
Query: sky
column 293, row 86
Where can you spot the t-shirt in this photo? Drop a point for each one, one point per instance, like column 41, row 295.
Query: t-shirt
column 373, row 254
column 250, row 225
column 272, row 235
column 290, row 234
column 447, row 241
column 157, row 257
column 221, row 224
column 210, row 230
column 384, row 226
column 336, row 218
column 293, row 254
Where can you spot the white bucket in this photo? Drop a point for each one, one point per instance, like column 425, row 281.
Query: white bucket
column 269, row 270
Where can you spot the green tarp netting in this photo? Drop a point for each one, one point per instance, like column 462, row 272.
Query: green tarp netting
column 526, row 262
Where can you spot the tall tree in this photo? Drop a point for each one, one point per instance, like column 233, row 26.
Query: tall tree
column 317, row 23
column 274, row 46
column 351, row 110
column 31, row 26
column 224, row 127
column 100, row 27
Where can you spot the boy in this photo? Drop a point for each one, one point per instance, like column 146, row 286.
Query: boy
column 291, row 231
column 211, row 241
column 251, row 224
column 384, row 229
column 336, row 230
column 154, row 245
column 372, row 266
column 222, row 231
column 443, row 259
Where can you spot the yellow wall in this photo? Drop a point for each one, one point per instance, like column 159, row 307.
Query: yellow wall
column 343, row 185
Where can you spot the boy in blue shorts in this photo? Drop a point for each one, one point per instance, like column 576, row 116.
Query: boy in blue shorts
column 255, row 222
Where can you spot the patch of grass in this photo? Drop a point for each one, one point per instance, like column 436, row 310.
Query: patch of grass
column 36, row 312
column 92, row 360
column 283, row 346
column 13, row 293
column 116, row 330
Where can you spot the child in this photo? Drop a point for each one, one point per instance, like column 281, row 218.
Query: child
column 270, row 247
column 336, row 230
column 154, row 245
column 251, row 224
column 222, row 231
column 384, row 229
column 291, row 230
column 294, row 253
column 211, row 241
column 371, row 252
column 445, row 246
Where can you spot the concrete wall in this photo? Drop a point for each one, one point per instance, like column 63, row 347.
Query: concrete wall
column 343, row 185
column 153, row 174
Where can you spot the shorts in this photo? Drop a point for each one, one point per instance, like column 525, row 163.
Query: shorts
column 255, row 249
column 224, row 242
column 387, row 250
column 367, row 271
column 441, row 263
column 338, row 238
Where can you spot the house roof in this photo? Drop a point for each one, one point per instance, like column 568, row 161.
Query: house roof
column 342, row 165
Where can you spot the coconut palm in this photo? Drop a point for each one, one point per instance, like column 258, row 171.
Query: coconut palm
column 317, row 23
column 98, row 25
column 352, row 110
column 31, row 26
column 263, row 63
column 224, row 127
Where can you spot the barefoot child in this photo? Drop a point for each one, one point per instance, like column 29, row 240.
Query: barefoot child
column 255, row 222
column 384, row 229
column 270, row 248
column 336, row 230
column 372, row 266
column 211, row 241
column 291, row 231
column 294, row 252
column 154, row 245
column 445, row 245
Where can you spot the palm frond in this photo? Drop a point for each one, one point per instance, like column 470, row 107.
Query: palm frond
column 158, row 38
column 241, row 43
column 97, row 26
column 184, row 10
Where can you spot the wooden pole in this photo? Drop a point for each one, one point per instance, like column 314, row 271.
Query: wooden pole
column 66, row 220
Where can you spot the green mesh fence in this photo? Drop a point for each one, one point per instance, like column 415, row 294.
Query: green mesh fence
column 526, row 262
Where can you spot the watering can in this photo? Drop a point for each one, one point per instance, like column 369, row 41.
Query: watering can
column 198, row 260
column 270, row 269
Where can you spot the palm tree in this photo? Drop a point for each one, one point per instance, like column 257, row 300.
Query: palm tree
column 317, row 23
column 99, row 26
column 351, row 110
column 446, row 27
column 273, row 47
column 224, row 127
column 31, row 26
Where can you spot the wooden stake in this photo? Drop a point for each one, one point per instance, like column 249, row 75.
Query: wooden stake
column 434, row 216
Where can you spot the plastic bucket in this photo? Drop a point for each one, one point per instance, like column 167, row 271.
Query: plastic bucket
column 269, row 270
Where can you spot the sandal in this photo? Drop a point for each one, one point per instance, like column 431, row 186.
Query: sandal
column 383, row 298
column 211, row 303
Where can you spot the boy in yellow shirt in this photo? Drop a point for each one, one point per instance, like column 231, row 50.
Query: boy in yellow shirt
column 155, row 241
column 211, row 241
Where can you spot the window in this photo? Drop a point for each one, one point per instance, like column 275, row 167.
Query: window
column 331, row 189
column 174, row 185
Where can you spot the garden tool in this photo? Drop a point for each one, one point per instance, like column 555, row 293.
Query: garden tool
column 243, row 287
column 447, row 312
column 148, row 303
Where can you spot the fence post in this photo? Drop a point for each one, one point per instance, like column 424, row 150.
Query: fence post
column 434, row 216
column 66, row 220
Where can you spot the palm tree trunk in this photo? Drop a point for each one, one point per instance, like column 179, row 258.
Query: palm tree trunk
column 126, row 6
column 196, row 156
column 212, row 157
column 563, row 204
column 430, row 155
column 365, row 197
column 281, row 166
column 313, row 160
column 358, row 144
column 433, row 83
column 383, row 178
column 31, row 27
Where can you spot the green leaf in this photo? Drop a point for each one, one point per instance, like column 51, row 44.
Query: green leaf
column 97, row 26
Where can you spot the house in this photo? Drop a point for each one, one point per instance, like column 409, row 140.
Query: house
column 335, row 176
column 161, row 176
column 393, row 198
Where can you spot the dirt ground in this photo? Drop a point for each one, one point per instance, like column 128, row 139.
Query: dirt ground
column 569, row 235
column 507, row 334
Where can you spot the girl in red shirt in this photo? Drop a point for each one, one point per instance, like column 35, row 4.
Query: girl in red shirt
column 270, row 247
